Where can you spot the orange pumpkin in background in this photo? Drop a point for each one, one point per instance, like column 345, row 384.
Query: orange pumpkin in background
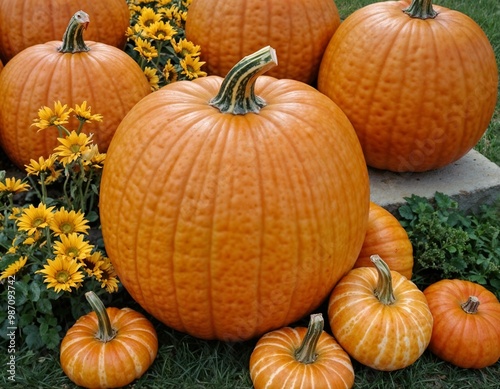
column 231, row 207
column 24, row 23
column 71, row 71
column 229, row 30
column 418, row 82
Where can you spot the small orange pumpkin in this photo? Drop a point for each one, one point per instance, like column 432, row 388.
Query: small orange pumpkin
column 386, row 237
column 380, row 317
column 24, row 23
column 466, row 329
column 71, row 72
column 108, row 348
column 300, row 358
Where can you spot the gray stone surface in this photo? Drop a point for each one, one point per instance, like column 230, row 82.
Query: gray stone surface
column 472, row 181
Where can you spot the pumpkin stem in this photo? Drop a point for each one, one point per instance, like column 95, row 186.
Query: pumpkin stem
column 306, row 353
column 236, row 94
column 105, row 331
column 421, row 9
column 471, row 305
column 383, row 291
column 73, row 36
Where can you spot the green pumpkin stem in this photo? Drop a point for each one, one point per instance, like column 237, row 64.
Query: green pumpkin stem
column 105, row 331
column 383, row 291
column 237, row 92
column 471, row 305
column 421, row 9
column 306, row 353
column 73, row 36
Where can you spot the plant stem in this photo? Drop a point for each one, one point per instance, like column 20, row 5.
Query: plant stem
column 471, row 305
column 237, row 92
column 73, row 36
column 105, row 331
column 383, row 291
column 306, row 353
column 421, row 9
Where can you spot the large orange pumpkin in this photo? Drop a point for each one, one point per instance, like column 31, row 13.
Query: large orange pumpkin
column 229, row 30
column 70, row 71
column 25, row 23
column 231, row 207
column 418, row 83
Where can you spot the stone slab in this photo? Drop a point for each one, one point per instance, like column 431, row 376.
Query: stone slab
column 472, row 181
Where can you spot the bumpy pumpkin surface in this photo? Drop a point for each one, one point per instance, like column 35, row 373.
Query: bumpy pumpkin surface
column 108, row 79
column 229, row 225
column 466, row 329
column 25, row 23
column 229, row 30
column 419, row 92
column 386, row 237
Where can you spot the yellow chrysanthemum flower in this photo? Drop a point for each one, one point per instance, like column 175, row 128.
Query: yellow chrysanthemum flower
column 35, row 238
column 84, row 114
column 13, row 268
column 73, row 246
column 147, row 17
column 68, row 222
column 152, row 77
column 48, row 117
column 160, row 31
column 108, row 279
column 93, row 263
column 184, row 48
column 35, row 218
column 145, row 49
column 13, row 185
column 62, row 274
column 192, row 67
column 72, row 147
column 170, row 72
column 42, row 165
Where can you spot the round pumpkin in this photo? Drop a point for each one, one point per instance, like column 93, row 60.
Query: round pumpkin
column 231, row 207
column 300, row 357
column 386, row 237
column 229, row 30
column 109, row 347
column 466, row 329
column 24, row 23
column 70, row 71
column 380, row 317
column 418, row 82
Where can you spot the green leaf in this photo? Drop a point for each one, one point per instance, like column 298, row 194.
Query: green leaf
column 35, row 290
column 44, row 306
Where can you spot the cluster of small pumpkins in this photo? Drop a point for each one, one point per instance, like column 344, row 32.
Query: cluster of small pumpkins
column 233, row 205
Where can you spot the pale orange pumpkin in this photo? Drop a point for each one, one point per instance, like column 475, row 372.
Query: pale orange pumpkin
column 466, row 329
column 229, row 30
column 380, row 317
column 24, row 23
column 231, row 207
column 108, row 348
column 386, row 237
column 71, row 71
column 418, row 82
column 300, row 358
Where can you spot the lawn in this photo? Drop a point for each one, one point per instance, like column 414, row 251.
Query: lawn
column 187, row 362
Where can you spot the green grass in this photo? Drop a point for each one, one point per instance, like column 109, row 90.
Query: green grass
column 186, row 362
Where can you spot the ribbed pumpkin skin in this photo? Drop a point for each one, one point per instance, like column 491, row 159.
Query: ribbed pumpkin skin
column 463, row 339
column 110, row 364
column 108, row 79
column 273, row 364
column 419, row 93
column 25, row 23
column 229, row 30
column 228, row 226
column 383, row 337
column 386, row 237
